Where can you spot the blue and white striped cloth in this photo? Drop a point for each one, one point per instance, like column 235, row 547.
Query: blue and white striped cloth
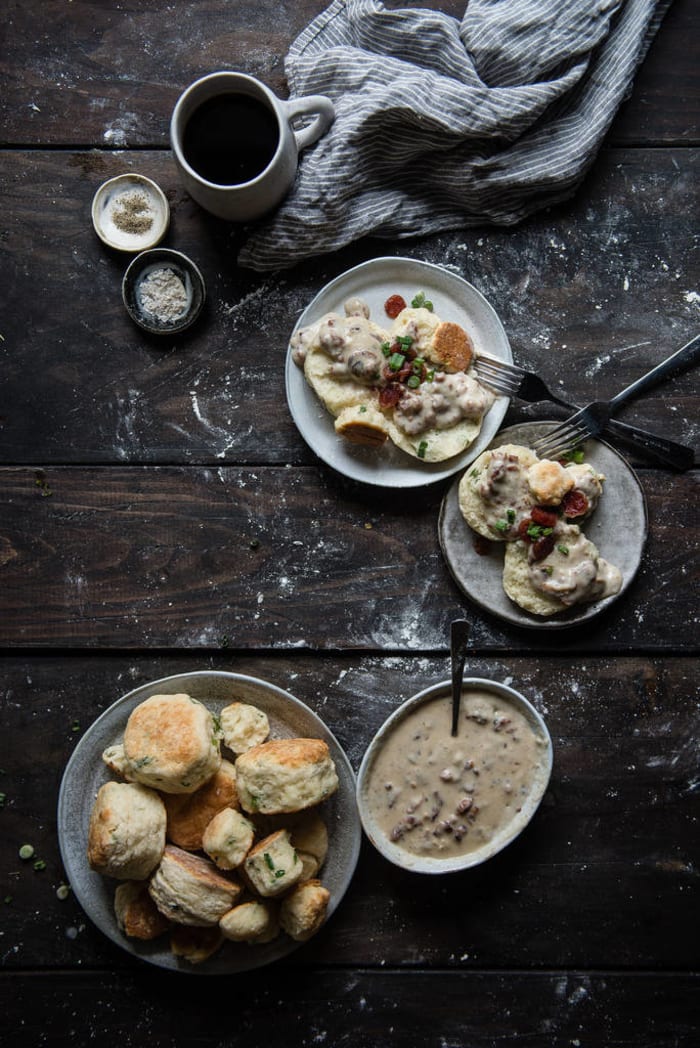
column 445, row 124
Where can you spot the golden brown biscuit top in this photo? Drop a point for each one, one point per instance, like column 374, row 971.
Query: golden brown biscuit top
column 291, row 753
column 169, row 724
column 452, row 346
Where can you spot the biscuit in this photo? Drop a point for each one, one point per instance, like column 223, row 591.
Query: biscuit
column 309, row 837
column 450, row 346
column 115, row 759
column 549, row 482
column 254, row 922
column 228, row 838
column 493, row 485
column 195, row 944
column 171, row 743
column 126, row 834
column 418, row 324
column 243, row 726
column 272, row 866
column 137, row 915
column 517, row 584
column 363, row 425
column 190, row 814
column 303, row 911
column 190, row 890
column 285, row 775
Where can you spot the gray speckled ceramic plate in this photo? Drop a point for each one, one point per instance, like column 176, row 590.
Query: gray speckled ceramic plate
column 618, row 528
column 374, row 281
column 86, row 772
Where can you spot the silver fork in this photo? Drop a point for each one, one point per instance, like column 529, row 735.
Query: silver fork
column 514, row 381
column 591, row 420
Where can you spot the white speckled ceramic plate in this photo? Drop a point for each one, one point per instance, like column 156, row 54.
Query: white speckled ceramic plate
column 374, row 281
column 86, row 772
column 480, row 576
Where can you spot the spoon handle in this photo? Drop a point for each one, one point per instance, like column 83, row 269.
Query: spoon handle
column 459, row 639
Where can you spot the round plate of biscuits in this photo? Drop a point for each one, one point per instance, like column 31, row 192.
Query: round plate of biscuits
column 493, row 573
column 225, row 877
column 384, row 463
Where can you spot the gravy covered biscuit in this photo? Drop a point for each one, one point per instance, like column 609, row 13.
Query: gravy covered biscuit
column 285, row 775
column 567, row 570
column 126, row 834
column 532, row 505
column 412, row 384
column 171, row 743
column 494, row 495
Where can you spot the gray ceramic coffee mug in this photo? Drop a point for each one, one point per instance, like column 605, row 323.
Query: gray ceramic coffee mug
column 234, row 145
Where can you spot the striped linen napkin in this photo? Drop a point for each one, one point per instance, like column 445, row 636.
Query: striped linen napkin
column 445, row 124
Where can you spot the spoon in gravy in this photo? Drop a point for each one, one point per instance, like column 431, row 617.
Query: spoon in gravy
column 459, row 640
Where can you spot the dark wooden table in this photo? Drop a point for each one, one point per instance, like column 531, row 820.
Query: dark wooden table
column 160, row 513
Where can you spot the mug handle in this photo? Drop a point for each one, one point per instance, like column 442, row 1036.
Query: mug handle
column 325, row 115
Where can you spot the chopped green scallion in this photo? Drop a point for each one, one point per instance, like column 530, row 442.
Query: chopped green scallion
column 422, row 448
column 397, row 361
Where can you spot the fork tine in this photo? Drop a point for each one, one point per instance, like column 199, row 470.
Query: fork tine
column 561, row 438
column 499, row 378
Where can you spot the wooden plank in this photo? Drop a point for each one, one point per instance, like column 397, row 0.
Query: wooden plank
column 366, row 1009
column 127, row 557
column 603, row 877
column 591, row 295
column 108, row 76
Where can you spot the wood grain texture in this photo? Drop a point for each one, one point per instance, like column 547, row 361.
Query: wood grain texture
column 160, row 513
column 604, row 877
column 69, row 86
column 365, row 1009
column 201, row 558
column 591, row 296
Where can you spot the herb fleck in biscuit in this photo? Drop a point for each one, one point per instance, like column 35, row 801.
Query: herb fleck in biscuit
column 171, row 743
column 285, row 775
column 272, row 866
column 228, row 838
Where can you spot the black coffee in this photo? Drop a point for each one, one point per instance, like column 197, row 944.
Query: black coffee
column 230, row 139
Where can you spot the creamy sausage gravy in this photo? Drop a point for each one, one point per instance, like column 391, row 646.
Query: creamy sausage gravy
column 535, row 502
column 441, row 796
column 364, row 353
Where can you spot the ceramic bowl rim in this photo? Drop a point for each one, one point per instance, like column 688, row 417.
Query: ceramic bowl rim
column 421, row 864
column 178, row 260
column 161, row 228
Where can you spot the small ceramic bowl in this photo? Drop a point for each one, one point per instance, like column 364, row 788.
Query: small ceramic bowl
column 374, row 791
column 163, row 291
column 130, row 213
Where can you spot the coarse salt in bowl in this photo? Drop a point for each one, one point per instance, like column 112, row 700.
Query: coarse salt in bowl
column 130, row 213
column 433, row 803
column 163, row 291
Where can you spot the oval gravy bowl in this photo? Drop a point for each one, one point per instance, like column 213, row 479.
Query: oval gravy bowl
column 431, row 803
